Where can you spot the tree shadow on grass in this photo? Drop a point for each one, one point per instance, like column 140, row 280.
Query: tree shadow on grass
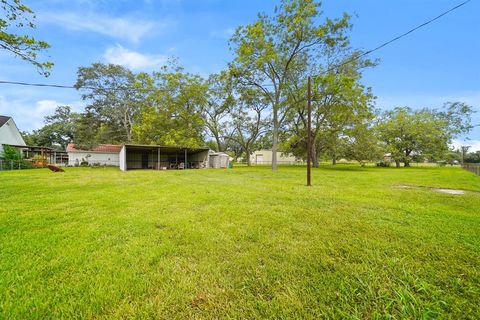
column 351, row 167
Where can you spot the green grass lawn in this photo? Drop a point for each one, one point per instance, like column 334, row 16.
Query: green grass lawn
column 241, row 243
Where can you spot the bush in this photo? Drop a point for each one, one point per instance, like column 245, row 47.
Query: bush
column 10, row 154
column 383, row 164
column 12, row 159
column 442, row 163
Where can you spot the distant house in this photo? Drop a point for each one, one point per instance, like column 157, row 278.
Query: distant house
column 265, row 157
column 103, row 154
column 9, row 133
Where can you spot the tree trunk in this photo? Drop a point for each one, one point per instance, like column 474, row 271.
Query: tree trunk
column 406, row 162
column 315, row 156
column 247, row 154
column 334, row 156
column 397, row 163
column 275, row 140
column 219, row 143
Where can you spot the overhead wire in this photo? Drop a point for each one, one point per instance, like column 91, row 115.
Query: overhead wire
column 365, row 53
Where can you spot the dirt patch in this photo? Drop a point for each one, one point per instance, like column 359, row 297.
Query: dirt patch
column 439, row 190
column 448, row 191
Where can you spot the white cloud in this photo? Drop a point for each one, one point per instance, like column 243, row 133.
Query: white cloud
column 134, row 60
column 474, row 144
column 116, row 27
column 29, row 115
column 45, row 106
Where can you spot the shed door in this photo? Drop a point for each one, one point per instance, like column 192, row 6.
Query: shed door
column 259, row 159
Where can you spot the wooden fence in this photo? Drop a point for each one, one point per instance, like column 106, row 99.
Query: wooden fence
column 472, row 167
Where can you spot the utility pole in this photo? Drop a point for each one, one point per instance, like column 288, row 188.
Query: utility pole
column 309, row 132
column 464, row 150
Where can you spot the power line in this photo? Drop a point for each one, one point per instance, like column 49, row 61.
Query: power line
column 389, row 41
column 396, row 38
column 41, row 85
column 324, row 72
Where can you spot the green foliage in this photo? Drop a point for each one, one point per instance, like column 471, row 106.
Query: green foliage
column 250, row 119
column 114, row 102
column 10, row 154
column 244, row 243
column 472, row 157
column 12, row 159
column 276, row 53
column 423, row 133
column 217, row 108
column 362, row 145
column 341, row 106
column 60, row 129
column 16, row 15
column 171, row 113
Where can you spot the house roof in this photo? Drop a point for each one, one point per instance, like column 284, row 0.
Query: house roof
column 3, row 120
column 107, row 148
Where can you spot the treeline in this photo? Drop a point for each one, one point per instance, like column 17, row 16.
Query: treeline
column 259, row 100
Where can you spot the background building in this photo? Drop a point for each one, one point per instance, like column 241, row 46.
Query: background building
column 265, row 157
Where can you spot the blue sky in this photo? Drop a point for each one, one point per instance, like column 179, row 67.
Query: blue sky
column 434, row 65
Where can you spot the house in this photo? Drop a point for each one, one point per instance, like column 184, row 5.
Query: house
column 9, row 133
column 265, row 157
column 103, row 154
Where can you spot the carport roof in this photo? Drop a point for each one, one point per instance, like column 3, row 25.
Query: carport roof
column 163, row 148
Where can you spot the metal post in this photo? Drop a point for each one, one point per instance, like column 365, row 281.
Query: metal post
column 186, row 159
column 309, row 132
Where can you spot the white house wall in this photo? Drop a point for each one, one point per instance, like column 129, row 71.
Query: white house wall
column 102, row 158
column 265, row 157
column 123, row 159
column 9, row 134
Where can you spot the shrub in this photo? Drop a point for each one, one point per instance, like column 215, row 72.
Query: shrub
column 10, row 154
column 12, row 159
column 383, row 164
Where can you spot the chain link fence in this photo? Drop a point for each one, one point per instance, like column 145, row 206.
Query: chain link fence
column 15, row 164
column 472, row 167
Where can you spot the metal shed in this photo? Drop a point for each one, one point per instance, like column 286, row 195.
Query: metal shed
column 218, row 160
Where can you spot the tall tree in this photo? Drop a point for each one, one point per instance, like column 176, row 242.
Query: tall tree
column 216, row 109
column 423, row 133
column 250, row 120
column 113, row 97
column 171, row 114
column 270, row 51
column 17, row 15
column 340, row 102
column 59, row 130
column 361, row 144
